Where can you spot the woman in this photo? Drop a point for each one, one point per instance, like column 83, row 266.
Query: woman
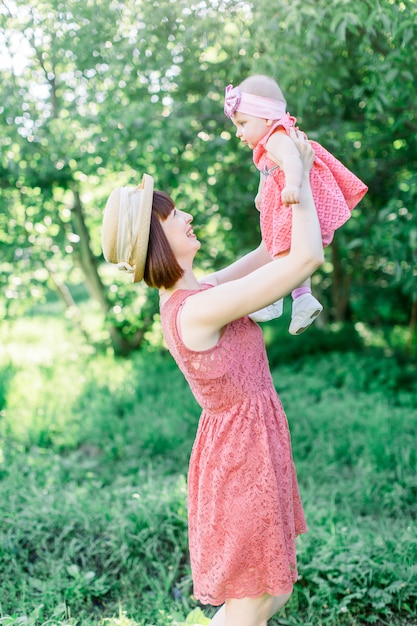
column 244, row 507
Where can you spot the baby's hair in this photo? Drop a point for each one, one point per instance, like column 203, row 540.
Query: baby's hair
column 261, row 85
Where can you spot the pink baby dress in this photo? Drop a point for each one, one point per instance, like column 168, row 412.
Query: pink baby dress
column 244, row 507
column 336, row 191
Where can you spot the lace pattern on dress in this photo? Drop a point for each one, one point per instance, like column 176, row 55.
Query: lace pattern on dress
column 244, row 506
column 336, row 191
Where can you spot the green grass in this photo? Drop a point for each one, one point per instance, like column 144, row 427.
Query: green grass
column 93, row 461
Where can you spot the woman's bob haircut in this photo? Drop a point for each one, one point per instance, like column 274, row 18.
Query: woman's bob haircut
column 161, row 268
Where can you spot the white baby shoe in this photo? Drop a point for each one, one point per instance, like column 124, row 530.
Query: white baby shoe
column 305, row 309
column 268, row 313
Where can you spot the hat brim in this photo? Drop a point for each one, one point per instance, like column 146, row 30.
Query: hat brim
column 142, row 240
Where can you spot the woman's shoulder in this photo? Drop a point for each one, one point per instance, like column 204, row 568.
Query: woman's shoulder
column 175, row 298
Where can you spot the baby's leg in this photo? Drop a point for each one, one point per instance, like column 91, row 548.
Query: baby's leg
column 272, row 311
column 305, row 308
column 304, row 287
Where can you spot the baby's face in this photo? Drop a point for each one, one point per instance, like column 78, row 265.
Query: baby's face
column 250, row 129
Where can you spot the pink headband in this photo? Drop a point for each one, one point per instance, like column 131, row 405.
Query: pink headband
column 259, row 106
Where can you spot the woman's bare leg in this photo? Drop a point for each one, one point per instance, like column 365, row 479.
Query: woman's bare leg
column 218, row 619
column 249, row 611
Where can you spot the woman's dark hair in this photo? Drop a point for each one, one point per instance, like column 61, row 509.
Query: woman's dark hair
column 161, row 268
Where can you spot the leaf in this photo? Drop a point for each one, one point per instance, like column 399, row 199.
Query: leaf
column 197, row 618
column 407, row 37
column 73, row 570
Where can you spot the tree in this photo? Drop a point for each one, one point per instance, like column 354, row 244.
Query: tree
column 109, row 90
column 348, row 70
column 90, row 108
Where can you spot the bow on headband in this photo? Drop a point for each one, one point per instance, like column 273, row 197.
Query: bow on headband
column 232, row 100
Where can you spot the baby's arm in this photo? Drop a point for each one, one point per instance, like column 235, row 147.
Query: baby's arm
column 283, row 151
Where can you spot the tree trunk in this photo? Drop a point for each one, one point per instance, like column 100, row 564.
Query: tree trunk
column 67, row 299
column 89, row 265
column 85, row 257
column 341, row 284
column 412, row 327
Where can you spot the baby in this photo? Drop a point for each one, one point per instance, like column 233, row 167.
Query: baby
column 258, row 110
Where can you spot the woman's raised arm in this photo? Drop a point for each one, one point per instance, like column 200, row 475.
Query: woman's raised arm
column 205, row 313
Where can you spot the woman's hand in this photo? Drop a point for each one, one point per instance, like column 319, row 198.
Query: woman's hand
column 304, row 148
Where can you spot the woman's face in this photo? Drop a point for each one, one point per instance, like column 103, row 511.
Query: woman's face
column 179, row 232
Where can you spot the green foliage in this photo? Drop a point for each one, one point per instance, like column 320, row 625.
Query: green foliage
column 70, row 389
column 91, row 99
column 348, row 75
column 71, row 540
column 283, row 347
column 7, row 372
column 94, row 455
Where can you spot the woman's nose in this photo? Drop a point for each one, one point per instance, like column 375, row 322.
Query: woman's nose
column 187, row 216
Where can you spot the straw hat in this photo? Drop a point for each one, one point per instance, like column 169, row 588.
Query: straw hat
column 125, row 229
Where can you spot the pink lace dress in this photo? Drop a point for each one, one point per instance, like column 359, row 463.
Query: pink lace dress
column 336, row 191
column 244, row 507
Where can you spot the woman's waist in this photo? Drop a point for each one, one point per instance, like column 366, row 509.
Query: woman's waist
column 232, row 397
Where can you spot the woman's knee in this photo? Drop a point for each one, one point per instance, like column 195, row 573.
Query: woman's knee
column 279, row 602
column 253, row 611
